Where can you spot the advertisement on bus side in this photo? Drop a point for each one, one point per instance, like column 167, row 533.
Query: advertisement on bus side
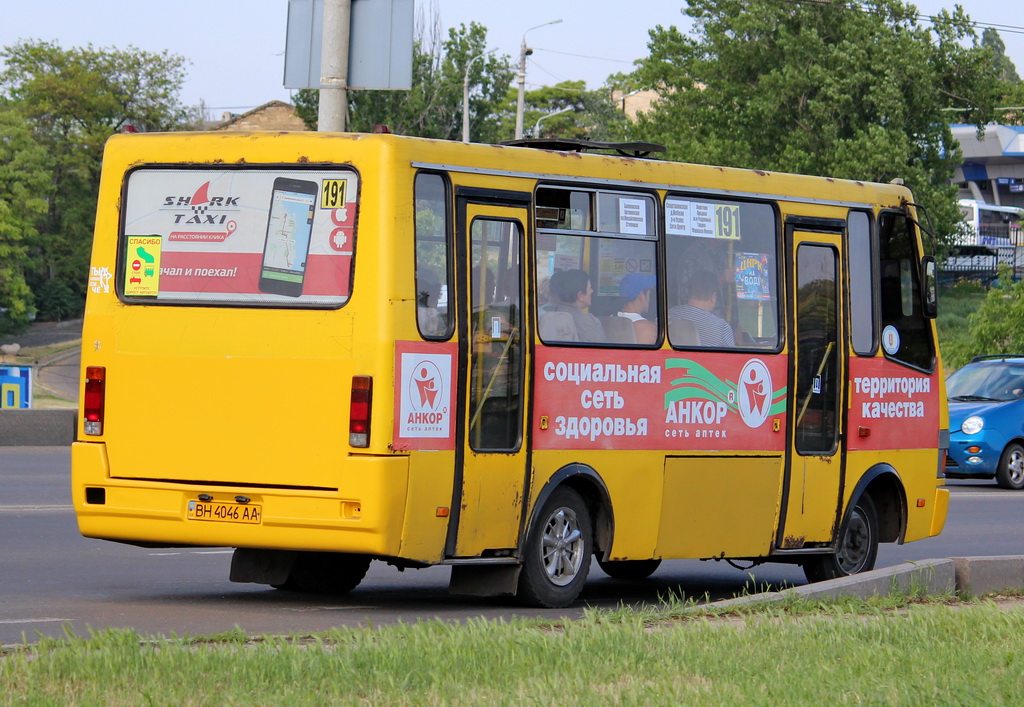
column 659, row 400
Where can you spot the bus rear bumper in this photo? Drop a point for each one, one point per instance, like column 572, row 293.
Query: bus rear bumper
column 361, row 517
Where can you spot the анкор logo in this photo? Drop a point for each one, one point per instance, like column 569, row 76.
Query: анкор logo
column 754, row 393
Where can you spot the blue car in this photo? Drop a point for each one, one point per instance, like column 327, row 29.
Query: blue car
column 986, row 421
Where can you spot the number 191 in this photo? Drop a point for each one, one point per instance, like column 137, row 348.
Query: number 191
column 332, row 194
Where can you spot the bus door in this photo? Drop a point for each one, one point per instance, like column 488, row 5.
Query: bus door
column 492, row 453
column 814, row 478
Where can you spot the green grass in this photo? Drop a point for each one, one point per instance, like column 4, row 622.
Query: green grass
column 888, row 651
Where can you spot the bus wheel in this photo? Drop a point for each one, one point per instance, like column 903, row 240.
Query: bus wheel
column 1010, row 474
column 629, row 569
column 326, row 572
column 857, row 549
column 556, row 560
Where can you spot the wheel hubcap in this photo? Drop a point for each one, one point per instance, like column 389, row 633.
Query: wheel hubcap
column 853, row 553
column 1015, row 465
column 562, row 547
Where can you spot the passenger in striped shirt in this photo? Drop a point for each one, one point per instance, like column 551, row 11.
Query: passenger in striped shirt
column 701, row 293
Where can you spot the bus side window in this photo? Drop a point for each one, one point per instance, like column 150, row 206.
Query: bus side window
column 433, row 313
column 861, row 269
column 596, row 259
column 906, row 336
column 722, row 265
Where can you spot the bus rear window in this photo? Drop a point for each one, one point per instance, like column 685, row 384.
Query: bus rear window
column 261, row 237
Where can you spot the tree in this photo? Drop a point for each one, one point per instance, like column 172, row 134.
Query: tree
column 588, row 114
column 1004, row 66
column 24, row 188
column 1012, row 88
column 433, row 107
column 857, row 91
column 74, row 100
column 997, row 327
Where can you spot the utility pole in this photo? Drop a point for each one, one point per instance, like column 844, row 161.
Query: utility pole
column 333, row 114
column 465, row 96
column 521, row 98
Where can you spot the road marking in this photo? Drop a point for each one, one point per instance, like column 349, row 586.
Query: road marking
column 33, row 621
column 35, row 509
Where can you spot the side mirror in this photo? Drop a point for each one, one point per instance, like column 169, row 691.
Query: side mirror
column 930, row 279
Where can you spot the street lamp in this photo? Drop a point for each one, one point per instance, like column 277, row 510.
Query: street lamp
column 523, row 53
column 536, row 127
column 465, row 95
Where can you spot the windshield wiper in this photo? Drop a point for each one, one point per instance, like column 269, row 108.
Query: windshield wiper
column 974, row 399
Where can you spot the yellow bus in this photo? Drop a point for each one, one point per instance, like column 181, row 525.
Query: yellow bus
column 326, row 349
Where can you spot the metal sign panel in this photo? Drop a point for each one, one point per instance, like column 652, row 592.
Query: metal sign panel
column 15, row 387
column 303, row 43
column 380, row 44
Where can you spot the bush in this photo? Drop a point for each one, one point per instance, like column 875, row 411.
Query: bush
column 997, row 327
column 55, row 302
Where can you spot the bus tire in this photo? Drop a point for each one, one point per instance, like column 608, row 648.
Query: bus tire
column 856, row 550
column 1010, row 473
column 556, row 559
column 326, row 572
column 629, row 569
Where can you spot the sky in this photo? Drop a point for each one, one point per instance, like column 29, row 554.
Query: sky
column 236, row 47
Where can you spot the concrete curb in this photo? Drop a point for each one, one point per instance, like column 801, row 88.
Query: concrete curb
column 964, row 575
column 37, row 428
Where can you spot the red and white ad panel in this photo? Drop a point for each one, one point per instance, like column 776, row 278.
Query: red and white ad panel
column 610, row 399
column 891, row 406
column 425, row 395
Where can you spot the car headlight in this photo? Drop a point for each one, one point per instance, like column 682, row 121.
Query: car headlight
column 972, row 425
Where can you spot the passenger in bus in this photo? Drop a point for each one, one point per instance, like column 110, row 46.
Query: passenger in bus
column 637, row 292
column 698, row 256
column 571, row 293
column 544, row 293
column 430, row 321
column 700, row 295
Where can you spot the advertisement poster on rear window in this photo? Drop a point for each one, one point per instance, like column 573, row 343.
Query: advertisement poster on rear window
column 240, row 236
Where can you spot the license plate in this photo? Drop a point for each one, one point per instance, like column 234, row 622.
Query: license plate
column 225, row 512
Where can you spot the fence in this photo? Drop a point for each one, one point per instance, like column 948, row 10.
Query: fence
column 979, row 259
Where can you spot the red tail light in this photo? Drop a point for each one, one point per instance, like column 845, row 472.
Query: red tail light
column 95, row 395
column 359, row 411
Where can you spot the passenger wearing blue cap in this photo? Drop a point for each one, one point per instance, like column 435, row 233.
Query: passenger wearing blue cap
column 637, row 292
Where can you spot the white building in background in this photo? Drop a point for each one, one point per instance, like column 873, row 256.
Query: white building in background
column 993, row 168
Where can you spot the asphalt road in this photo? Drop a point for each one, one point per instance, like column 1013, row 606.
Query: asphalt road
column 52, row 579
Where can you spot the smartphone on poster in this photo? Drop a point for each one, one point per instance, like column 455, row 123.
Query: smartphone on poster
column 289, row 226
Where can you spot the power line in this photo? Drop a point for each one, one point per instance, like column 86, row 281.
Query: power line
column 585, row 56
column 1013, row 29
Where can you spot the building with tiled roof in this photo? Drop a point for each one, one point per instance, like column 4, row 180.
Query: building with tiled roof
column 275, row 115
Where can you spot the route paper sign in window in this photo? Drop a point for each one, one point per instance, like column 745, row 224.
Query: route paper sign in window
column 239, row 236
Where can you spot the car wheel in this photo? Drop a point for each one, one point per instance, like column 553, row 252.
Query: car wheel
column 326, row 572
column 556, row 560
column 857, row 548
column 629, row 569
column 1010, row 474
